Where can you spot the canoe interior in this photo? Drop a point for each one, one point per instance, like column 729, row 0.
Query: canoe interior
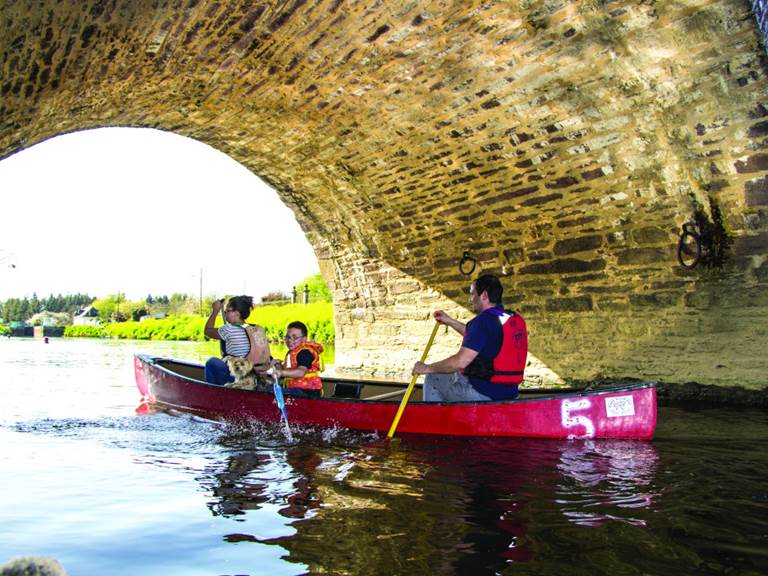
column 332, row 387
column 350, row 388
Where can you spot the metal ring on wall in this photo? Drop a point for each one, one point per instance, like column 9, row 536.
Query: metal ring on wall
column 467, row 257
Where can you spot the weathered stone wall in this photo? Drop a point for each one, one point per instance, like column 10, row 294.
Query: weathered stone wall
column 562, row 143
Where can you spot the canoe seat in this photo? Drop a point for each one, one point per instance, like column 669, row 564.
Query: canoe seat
column 347, row 390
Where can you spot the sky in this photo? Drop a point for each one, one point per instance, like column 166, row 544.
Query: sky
column 140, row 212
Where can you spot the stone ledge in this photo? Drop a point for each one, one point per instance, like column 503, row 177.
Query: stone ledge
column 690, row 393
column 693, row 393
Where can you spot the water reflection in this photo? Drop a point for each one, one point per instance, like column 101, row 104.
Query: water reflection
column 604, row 480
column 304, row 460
column 447, row 505
column 241, row 483
column 74, row 453
column 234, row 489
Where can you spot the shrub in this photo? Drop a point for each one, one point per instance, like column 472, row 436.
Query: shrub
column 318, row 316
column 185, row 327
column 83, row 331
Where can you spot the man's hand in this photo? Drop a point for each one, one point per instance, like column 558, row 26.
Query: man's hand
column 217, row 306
column 441, row 317
column 420, row 368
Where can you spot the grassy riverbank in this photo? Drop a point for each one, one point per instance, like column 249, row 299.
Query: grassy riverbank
column 318, row 316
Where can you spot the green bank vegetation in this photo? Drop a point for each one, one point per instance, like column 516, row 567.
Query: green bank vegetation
column 182, row 319
column 30, row 309
column 318, row 316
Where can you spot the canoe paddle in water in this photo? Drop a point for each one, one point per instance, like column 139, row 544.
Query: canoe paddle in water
column 278, row 390
column 407, row 396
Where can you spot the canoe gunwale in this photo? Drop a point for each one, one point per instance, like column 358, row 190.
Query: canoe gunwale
column 537, row 394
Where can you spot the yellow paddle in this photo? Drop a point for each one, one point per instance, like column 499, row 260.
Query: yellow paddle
column 407, row 396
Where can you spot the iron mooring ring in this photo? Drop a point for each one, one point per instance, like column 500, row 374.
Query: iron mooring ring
column 467, row 257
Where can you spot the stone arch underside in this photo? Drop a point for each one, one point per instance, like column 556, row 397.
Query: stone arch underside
column 561, row 143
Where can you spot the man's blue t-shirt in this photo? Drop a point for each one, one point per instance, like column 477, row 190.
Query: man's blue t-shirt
column 484, row 335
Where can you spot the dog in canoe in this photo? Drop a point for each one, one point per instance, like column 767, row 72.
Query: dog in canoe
column 245, row 376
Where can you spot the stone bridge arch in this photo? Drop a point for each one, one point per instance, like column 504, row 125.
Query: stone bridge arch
column 561, row 144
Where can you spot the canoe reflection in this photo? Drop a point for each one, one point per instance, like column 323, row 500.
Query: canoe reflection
column 434, row 505
column 250, row 478
column 604, row 481
column 234, row 487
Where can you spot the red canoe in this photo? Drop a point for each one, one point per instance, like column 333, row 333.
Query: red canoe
column 622, row 411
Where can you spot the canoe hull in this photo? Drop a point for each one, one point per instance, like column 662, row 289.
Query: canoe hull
column 626, row 412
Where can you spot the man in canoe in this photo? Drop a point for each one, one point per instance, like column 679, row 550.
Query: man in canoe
column 302, row 366
column 490, row 363
column 237, row 339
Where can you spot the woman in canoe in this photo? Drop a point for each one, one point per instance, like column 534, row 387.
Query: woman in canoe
column 237, row 338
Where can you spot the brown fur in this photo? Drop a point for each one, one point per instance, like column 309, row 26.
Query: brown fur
column 242, row 370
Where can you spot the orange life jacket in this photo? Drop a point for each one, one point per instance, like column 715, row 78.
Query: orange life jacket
column 310, row 380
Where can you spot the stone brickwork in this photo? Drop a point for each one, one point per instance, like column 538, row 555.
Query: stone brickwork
column 561, row 143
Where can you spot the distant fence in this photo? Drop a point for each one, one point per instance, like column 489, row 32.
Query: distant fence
column 274, row 303
column 298, row 296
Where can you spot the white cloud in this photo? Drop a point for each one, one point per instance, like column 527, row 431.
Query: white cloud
column 142, row 211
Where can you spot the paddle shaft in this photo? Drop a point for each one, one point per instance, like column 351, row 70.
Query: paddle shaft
column 278, row 392
column 408, row 392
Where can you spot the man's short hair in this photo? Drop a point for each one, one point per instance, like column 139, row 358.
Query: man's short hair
column 491, row 285
column 300, row 326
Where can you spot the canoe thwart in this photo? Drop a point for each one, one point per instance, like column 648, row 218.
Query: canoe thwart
column 387, row 395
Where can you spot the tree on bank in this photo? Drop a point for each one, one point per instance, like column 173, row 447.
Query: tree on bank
column 318, row 289
column 22, row 309
column 115, row 307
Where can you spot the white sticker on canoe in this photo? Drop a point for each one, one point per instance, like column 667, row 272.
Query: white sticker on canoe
column 619, row 406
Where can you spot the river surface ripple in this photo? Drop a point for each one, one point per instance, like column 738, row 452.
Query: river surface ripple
column 88, row 481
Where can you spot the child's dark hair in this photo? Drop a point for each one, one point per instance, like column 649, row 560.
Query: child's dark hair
column 300, row 326
column 243, row 304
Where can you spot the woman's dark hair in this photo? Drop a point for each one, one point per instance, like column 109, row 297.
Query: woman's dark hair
column 490, row 284
column 300, row 326
column 242, row 304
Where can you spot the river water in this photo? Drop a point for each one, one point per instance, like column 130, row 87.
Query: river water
column 87, row 480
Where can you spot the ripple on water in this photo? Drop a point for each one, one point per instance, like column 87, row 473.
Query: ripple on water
column 167, row 492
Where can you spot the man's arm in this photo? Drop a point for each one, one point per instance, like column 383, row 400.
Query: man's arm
column 443, row 318
column 458, row 361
